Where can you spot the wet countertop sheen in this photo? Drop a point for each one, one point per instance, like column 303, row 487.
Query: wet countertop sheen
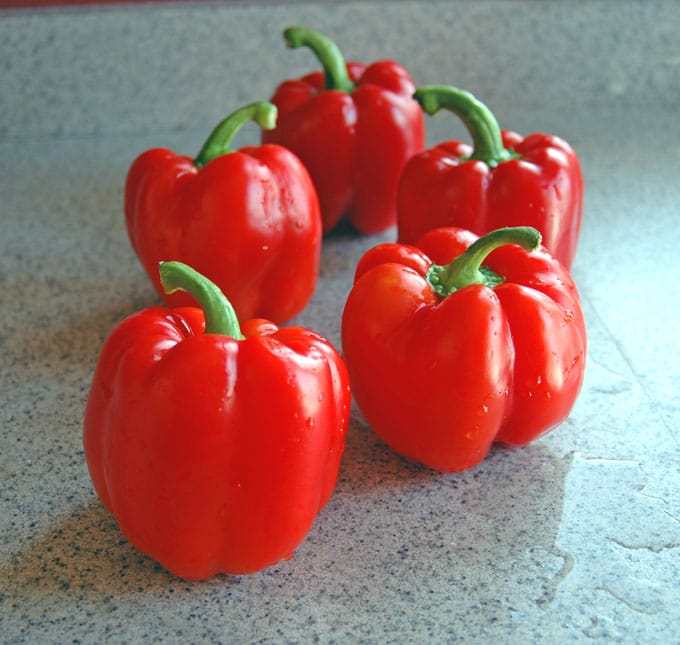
column 575, row 537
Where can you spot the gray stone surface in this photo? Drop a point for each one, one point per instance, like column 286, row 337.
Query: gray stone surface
column 575, row 537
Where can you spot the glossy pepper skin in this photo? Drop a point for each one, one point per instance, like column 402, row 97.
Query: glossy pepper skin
column 447, row 356
column 501, row 180
column 354, row 127
column 247, row 219
column 214, row 445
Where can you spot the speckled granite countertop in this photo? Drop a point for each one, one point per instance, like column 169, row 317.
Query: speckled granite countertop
column 573, row 538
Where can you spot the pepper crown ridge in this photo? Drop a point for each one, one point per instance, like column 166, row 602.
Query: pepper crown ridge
column 467, row 268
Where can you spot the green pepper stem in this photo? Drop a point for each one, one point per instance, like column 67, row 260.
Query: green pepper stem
column 220, row 317
column 477, row 118
column 467, row 268
column 334, row 65
column 217, row 144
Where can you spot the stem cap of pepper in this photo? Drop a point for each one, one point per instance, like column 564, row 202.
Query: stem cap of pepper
column 476, row 116
column 220, row 317
column 219, row 141
column 328, row 53
column 467, row 268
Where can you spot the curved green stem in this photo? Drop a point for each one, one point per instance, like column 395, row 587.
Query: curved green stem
column 332, row 60
column 217, row 144
column 467, row 268
column 478, row 119
column 220, row 317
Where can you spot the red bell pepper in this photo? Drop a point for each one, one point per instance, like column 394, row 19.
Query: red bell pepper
column 354, row 127
column 447, row 356
column 213, row 445
column 502, row 180
column 247, row 219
